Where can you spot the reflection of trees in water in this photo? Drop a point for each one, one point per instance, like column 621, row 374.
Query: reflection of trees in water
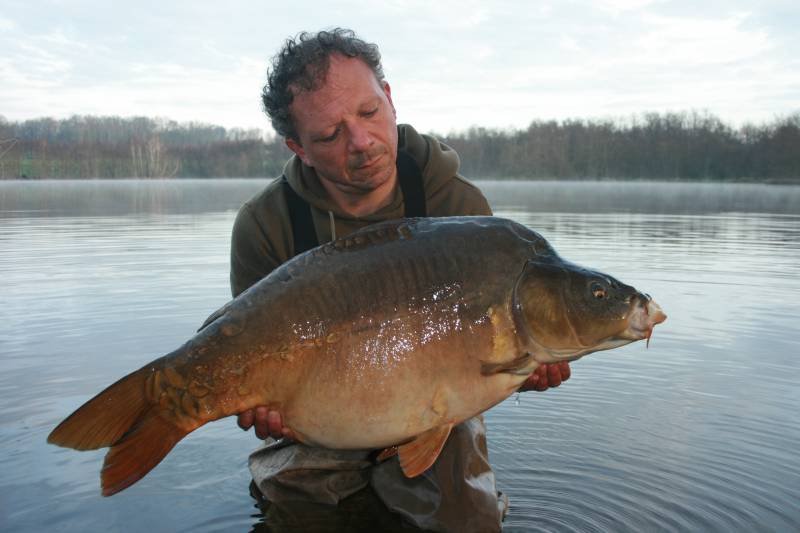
column 507, row 198
column 641, row 197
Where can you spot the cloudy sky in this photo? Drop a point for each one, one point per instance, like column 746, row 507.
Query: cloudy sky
column 451, row 64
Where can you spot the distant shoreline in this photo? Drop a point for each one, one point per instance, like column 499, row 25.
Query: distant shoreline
column 684, row 146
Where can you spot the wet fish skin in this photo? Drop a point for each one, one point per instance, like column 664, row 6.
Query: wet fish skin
column 388, row 336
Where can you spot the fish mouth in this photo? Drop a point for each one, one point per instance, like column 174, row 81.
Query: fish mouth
column 645, row 315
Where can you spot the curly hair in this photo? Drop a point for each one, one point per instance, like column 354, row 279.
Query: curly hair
column 303, row 63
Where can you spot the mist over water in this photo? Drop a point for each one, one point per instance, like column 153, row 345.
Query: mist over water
column 699, row 432
column 122, row 197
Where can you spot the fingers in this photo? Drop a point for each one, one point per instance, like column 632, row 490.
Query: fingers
column 546, row 376
column 261, row 424
column 266, row 422
column 554, row 375
column 245, row 419
column 536, row 381
column 566, row 372
column 274, row 424
column 557, row 373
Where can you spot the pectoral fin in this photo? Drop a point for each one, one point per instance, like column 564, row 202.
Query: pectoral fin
column 386, row 453
column 521, row 366
column 419, row 454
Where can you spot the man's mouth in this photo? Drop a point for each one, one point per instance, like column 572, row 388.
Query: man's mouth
column 368, row 160
column 369, row 163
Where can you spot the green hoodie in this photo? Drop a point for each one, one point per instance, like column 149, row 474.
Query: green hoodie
column 262, row 233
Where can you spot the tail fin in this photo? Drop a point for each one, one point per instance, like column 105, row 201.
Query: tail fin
column 121, row 417
column 138, row 452
column 104, row 419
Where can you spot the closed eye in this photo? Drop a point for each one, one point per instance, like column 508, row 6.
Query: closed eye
column 330, row 138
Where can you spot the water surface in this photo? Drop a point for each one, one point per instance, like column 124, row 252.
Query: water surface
column 697, row 433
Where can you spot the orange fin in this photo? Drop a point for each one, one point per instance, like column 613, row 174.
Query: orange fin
column 519, row 366
column 121, row 417
column 419, row 454
column 386, row 453
column 104, row 419
column 138, row 452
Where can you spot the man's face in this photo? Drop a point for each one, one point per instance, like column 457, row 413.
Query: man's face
column 347, row 128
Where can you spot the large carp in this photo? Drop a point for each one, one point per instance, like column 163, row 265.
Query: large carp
column 388, row 336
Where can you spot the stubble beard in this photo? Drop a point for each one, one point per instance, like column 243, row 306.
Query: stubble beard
column 366, row 180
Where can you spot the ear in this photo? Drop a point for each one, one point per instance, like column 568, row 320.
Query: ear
column 388, row 92
column 297, row 148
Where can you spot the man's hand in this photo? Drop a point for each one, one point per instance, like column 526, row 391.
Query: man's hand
column 267, row 423
column 546, row 376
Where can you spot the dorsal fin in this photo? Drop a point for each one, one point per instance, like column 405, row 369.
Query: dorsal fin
column 372, row 235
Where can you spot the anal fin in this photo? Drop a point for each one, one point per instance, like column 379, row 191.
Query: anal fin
column 419, row 454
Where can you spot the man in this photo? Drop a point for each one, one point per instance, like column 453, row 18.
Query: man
column 354, row 166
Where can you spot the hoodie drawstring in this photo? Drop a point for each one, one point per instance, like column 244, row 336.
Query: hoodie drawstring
column 333, row 225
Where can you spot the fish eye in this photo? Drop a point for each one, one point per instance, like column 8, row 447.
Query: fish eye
column 598, row 291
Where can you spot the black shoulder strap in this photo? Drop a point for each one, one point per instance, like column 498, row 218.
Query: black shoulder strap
column 410, row 178
column 303, row 232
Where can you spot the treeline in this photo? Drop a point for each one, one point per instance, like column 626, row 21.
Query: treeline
column 689, row 145
column 139, row 147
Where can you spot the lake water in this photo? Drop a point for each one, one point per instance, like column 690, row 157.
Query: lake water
column 699, row 432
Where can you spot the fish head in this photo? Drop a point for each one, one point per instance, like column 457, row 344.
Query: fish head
column 565, row 311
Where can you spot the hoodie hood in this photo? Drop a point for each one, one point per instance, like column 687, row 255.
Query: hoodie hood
column 438, row 162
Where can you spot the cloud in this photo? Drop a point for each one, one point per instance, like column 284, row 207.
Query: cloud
column 688, row 41
column 621, row 6
column 6, row 24
column 451, row 64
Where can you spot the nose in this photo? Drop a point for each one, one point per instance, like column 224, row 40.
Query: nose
column 360, row 138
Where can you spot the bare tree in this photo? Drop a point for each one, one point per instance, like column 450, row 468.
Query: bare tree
column 5, row 146
column 150, row 160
